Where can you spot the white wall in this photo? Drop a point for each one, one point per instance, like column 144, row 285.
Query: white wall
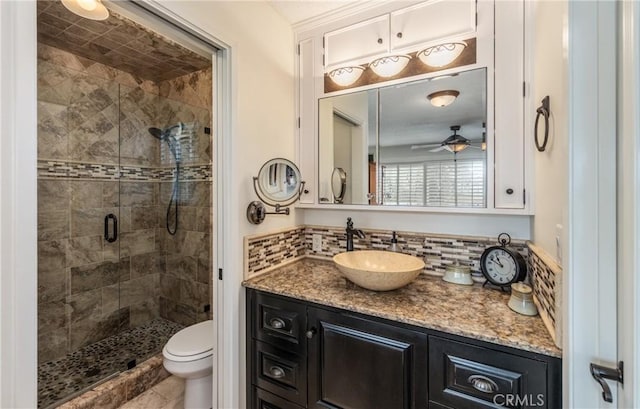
column 262, row 128
column 551, row 166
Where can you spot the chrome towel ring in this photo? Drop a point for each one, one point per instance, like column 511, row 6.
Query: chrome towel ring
column 545, row 111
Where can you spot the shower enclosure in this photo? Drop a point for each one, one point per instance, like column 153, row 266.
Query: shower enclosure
column 124, row 219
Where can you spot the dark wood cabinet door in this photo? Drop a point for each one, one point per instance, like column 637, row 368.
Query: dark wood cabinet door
column 356, row 363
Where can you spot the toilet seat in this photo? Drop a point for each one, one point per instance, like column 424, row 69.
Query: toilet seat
column 191, row 343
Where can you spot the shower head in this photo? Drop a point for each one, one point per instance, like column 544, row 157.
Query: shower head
column 157, row 133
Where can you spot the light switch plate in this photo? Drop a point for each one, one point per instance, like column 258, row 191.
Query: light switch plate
column 316, row 243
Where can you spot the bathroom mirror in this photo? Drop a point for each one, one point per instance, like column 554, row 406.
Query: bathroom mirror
column 420, row 143
column 278, row 181
column 278, row 185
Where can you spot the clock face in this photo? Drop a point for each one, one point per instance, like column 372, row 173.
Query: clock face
column 499, row 266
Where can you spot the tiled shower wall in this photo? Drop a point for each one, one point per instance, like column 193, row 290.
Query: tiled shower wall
column 92, row 125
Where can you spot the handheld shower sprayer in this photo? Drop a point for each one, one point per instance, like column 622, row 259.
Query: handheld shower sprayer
column 168, row 136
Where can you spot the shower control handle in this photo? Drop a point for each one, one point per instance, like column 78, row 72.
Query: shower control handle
column 107, row 236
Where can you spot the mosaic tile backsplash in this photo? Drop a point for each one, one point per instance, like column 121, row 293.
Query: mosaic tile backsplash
column 265, row 252
column 546, row 280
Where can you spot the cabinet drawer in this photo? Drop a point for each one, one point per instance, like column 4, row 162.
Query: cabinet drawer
column 280, row 372
column 469, row 376
column 265, row 400
column 280, row 322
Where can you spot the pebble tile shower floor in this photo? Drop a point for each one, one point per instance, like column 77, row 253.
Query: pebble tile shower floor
column 66, row 377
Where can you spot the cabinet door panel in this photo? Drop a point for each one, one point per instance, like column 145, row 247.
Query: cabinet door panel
column 357, row 363
column 432, row 21
column 358, row 42
column 509, row 105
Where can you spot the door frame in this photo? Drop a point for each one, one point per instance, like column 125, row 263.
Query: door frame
column 629, row 203
column 589, row 290
column 18, row 208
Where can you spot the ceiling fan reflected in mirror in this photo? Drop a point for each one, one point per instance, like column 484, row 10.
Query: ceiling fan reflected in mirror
column 454, row 143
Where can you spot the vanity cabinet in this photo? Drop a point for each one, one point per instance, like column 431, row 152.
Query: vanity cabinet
column 399, row 30
column 303, row 355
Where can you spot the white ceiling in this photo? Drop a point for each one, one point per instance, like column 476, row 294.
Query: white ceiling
column 296, row 11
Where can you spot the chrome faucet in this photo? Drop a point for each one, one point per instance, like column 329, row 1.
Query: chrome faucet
column 350, row 232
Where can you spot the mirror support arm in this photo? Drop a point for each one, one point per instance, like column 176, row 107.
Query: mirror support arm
column 256, row 212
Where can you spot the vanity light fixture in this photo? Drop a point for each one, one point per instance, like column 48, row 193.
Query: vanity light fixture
column 91, row 9
column 442, row 54
column 483, row 146
column 345, row 76
column 389, row 66
column 443, row 98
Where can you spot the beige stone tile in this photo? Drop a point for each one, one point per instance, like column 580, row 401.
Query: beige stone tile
column 171, row 388
column 149, row 399
column 175, row 404
column 53, row 225
column 84, row 250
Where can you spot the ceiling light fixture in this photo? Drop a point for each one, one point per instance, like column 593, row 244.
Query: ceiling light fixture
column 390, row 65
column 91, row 9
column 345, row 76
column 483, row 146
column 442, row 54
column 443, row 98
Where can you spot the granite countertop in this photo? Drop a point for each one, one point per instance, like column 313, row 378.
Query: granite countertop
column 428, row 302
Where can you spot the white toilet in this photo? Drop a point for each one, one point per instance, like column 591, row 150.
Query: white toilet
column 189, row 355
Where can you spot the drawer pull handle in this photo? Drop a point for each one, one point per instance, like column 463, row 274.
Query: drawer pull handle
column 482, row 384
column 276, row 372
column 276, row 323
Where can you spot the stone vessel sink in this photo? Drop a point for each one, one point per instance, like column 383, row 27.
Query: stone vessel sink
column 378, row 270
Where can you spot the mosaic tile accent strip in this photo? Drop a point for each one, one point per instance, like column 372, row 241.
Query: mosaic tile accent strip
column 63, row 378
column 264, row 252
column 546, row 280
column 76, row 170
column 438, row 251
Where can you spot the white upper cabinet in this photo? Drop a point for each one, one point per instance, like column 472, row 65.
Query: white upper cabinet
column 399, row 30
column 497, row 41
column 431, row 21
column 358, row 42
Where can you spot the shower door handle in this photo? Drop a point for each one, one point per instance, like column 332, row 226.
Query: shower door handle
column 108, row 237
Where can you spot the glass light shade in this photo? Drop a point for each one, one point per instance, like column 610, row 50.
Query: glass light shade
column 345, row 76
column 458, row 147
column 443, row 98
column 389, row 66
column 91, row 9
column 442, row 54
